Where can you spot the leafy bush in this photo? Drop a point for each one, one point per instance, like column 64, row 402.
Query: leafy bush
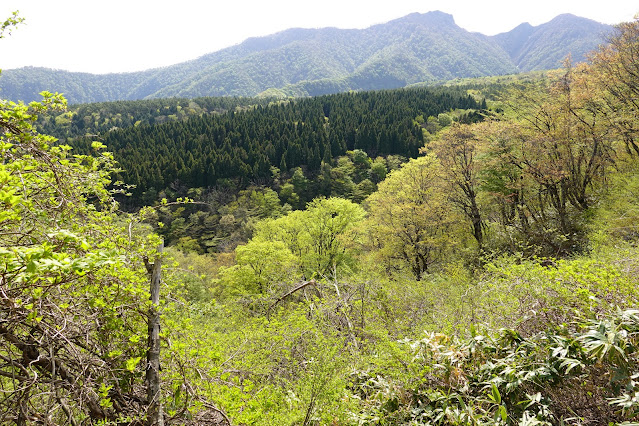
column 568, row 375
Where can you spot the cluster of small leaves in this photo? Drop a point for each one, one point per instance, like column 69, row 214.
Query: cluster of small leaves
column 9, row 23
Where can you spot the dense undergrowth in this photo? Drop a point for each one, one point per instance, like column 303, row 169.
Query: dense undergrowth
column 518, row 343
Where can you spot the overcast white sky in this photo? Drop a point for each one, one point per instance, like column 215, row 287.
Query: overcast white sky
column 129, row 35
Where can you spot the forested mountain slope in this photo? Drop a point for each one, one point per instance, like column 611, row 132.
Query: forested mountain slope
column 245, row 143
column 545, row 46
column 416, row 48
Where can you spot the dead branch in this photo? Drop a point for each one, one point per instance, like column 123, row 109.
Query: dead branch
column 304, row 284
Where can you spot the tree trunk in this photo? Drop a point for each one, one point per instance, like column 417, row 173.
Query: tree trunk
column 154, row 396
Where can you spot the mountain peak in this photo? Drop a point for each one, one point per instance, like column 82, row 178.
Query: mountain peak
column 429, row 18
column 526, row 26
column 568, row 19
column 530, row 47
column 565, row 16
column 440, row 15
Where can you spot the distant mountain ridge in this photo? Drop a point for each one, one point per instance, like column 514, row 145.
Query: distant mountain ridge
column 547, row 45
column 417, row 48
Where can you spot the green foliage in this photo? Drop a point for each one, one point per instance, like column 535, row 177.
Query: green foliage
column 287, row 369
column 571, row 353
column 617, row 216
column 260, row 264
column 411, row 223
column 313, row 243
column 192, row 275
column 378, row 170
column 103, row 117
column 564, row 375
column 532, row 294
column 243, row 145
column 329, row 314
column 71, row 273
column 317, row 238
column 10, row 23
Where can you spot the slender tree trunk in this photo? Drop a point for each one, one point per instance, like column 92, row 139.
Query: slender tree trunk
column 154, row 396
column 475, row 217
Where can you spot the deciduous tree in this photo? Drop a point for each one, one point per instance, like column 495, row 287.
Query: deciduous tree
column 411, row 221
column 457, row 149
column 73, row 288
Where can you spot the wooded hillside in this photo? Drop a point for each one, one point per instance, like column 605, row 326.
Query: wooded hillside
column 244, row 145
column 418, row 48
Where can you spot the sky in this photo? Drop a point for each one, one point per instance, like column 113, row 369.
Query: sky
column 100, row 36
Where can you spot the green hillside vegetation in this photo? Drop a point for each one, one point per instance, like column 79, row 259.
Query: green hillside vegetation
column 97, row 119
column 299, row 62
column 234, row 160
column 545, row 47
column 244, row 145
column 491, row 279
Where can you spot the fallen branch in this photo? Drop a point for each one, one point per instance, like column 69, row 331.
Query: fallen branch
column 304, row 284
column 219, row 411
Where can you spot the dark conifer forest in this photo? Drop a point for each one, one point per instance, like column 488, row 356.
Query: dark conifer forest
column 243, row 145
